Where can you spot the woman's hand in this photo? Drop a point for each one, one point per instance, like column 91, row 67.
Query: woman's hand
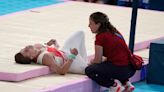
column 104, row 58
column 51, row 42
column 92, row 62
column 74, row 51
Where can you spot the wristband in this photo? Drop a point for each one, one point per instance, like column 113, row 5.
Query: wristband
column 71, row 56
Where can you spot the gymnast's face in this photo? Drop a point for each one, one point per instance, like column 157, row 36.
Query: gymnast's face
column 29, row 51
column 93, row 26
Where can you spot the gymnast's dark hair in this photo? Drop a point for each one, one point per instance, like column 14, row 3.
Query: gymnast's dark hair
column 20, row 59
column 106, row 26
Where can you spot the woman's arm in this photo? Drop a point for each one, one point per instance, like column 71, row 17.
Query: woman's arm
column 68, row 62
column 98, row 54
column 49, row 60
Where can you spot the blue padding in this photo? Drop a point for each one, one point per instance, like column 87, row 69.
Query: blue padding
column 141, row 3
column 144, row 87
column 155, row 70
column 143, row 72
column 123, row 3
column 10, row 6
column 144, row 4
column 156, row 5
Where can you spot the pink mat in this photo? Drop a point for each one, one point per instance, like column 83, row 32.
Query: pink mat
column 82, row 85
column 7, row 76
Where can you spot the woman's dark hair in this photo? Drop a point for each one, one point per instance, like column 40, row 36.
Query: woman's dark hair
column 105, row 25
column 19, row 58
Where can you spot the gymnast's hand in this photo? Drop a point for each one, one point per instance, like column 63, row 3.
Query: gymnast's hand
column 51, row 42
column 74, row 51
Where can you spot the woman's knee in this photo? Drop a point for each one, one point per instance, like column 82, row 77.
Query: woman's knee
column 87, row 70
column 94, row 68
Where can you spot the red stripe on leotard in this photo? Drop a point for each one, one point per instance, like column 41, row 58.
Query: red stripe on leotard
column 55, row 51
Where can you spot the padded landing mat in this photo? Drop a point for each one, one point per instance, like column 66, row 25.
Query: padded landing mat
column 40, row 83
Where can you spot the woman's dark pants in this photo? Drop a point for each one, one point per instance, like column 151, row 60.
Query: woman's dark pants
column 104, row 73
